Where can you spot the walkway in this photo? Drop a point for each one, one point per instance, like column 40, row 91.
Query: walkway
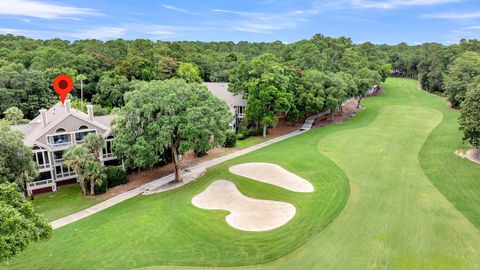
column 154, row 186
column 311, row 120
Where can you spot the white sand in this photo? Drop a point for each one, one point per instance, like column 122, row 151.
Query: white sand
column 472, row 154
column 272, row 174
column 246, row 213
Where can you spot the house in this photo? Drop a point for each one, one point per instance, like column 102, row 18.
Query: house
column 52, row 132
column 236, row 103
column 56, row 129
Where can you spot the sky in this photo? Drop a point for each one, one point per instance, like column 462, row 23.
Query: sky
column 377, row 21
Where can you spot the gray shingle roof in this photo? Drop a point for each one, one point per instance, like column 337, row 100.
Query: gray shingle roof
column 220, row 89
column 34, row 129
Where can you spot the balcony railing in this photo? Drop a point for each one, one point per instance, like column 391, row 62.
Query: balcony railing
column 41, row 184
column 44, row 166
column 108, row 156
column 65, row 174
column 60, row 145
column 68, row 138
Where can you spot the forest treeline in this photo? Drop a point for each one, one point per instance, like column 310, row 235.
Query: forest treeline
column 108, row 69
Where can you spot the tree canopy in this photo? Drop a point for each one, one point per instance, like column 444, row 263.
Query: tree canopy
column 469, row 119
column 13, row 115
column 170, row 115
column 16, row 164
column 460, row 75
column 19, row 224
column 265, row 84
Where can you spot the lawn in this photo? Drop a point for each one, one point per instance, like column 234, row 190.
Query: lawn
column 67, row 200
column 389, row 194
column 250, row 141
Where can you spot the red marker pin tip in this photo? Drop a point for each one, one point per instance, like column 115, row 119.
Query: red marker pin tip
column 63, row 85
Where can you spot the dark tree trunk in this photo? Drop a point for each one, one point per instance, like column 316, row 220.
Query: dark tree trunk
column 82, row 186
column 359, row 100
column 176, row 164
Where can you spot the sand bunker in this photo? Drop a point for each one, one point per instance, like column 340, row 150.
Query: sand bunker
column 472, row 154
column 246, row 213
column 272, row 174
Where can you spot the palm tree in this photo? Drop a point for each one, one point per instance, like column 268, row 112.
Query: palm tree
column 13, row 114
column 78, row 158
column 94, row 142
column 95, row 173
column 81, row 78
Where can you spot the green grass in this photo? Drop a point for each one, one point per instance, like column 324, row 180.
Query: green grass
column 389, row 194
column 67, row 200
column 250, row 141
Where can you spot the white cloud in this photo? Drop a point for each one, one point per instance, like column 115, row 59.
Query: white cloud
column 101, row 33
column 264, row 23
column 38, row 9
column 456, row 35
column 474, row 27
column 177, row 9
column 390, row 4
column 453, row 15
column 10, row 31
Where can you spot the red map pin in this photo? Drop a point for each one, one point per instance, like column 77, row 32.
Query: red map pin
column 63, row 85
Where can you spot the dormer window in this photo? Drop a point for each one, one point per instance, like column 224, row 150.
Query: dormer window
column 82, row 127
column 60, row 130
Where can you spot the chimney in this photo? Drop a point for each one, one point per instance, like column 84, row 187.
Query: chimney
column 43, row 116
column 90, row 112
column 68, row 106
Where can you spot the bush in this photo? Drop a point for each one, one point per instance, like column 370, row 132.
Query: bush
column 231, row 139
column 241, row 136
column 98, row 189
column 200, row 153
column 115, row 176
column 255, row 132
column 201, row 150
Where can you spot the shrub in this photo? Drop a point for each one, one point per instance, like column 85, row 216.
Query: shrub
column 241, row 136
column 201, row 150
column 255, row 132
column 200, row 153
column 115, row 176
column 231, row 139
column 99, row 188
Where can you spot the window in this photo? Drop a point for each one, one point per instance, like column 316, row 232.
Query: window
column 62, row 172
column 107, row 150
column 42, row 160
column 58, row 156
column 113, row 162
column 80, row 136
column 61, row 139
column 240, row 109
column 82, row 127
column 44, row 176
column 60, row 130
